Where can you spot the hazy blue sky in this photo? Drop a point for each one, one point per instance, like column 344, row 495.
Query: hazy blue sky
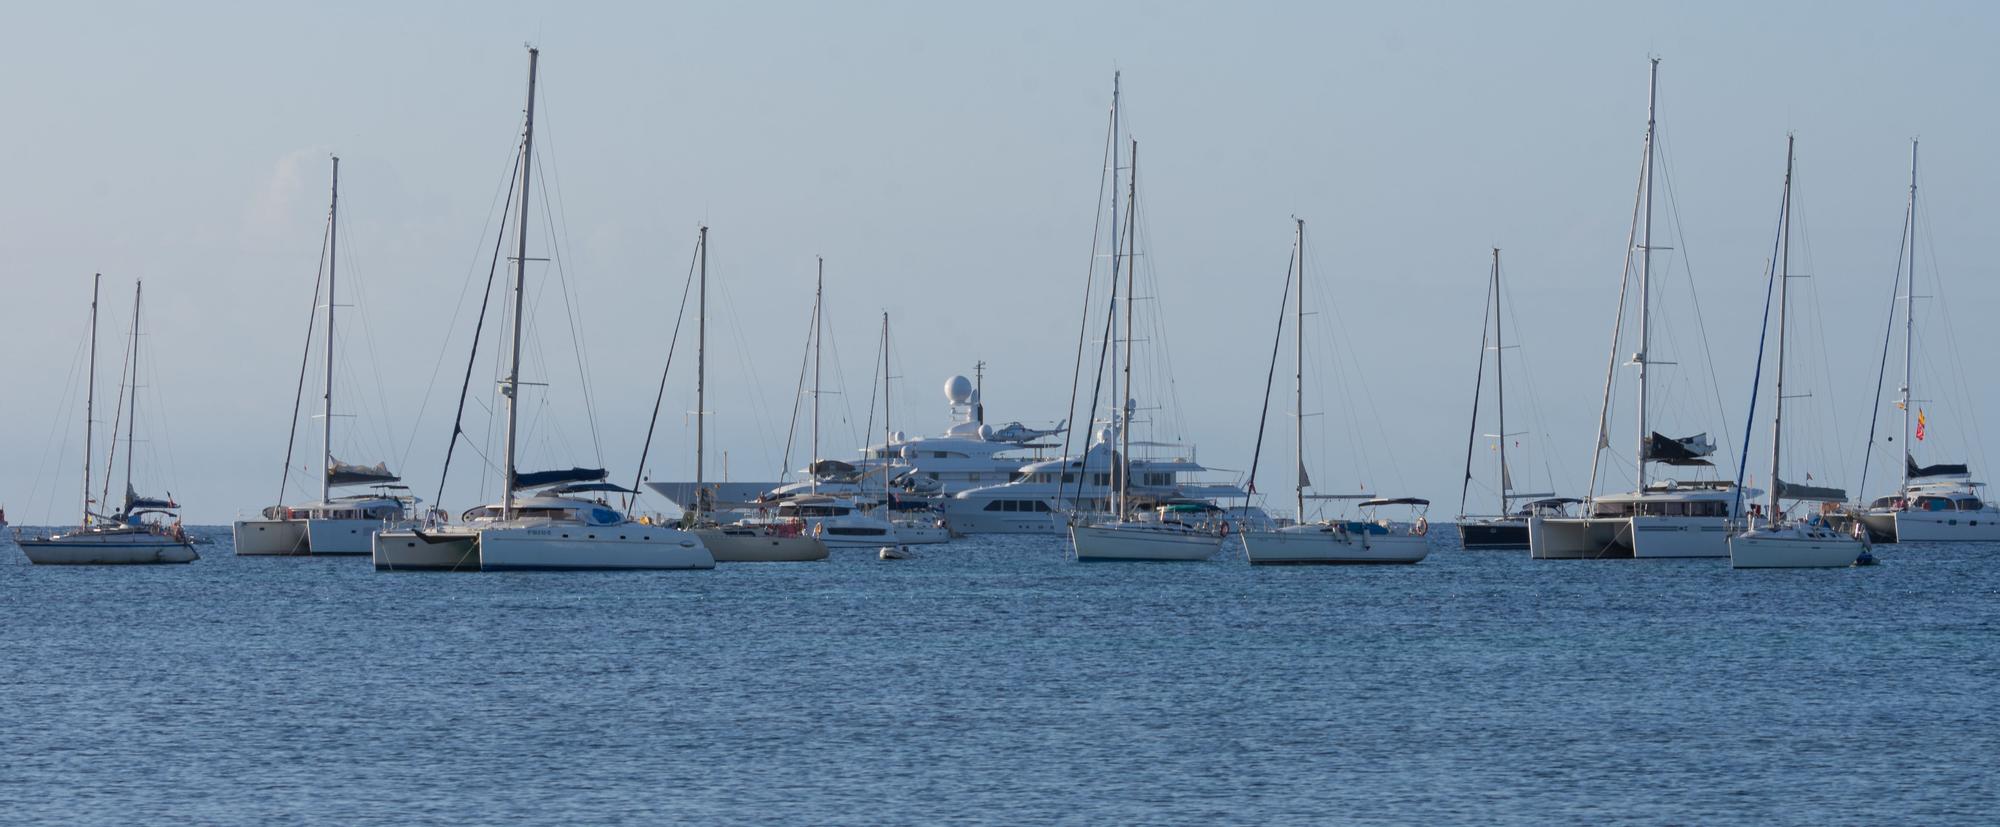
column 945, row 160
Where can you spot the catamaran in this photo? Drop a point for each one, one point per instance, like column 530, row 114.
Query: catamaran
column 1330, row 541
column 1659, row 517
column 1782, row 542
column 139, row 531
column 330, row 525
column 560, row 525
column 1939, row 502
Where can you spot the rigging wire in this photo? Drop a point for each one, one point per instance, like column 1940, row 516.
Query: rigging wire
column 486, row 298
column 673, row 342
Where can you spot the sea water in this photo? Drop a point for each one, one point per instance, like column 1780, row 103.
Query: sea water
column 994, row 681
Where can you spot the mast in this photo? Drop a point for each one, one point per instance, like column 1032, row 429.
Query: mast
column 132, row 400
column 326, row 402
column 1784, row 286
column 819, row 317
column 1500, row 387
column 1910, row 318
column 1125, row 398
column 888, row 434
column 701, row 373
column 1646, row 271
column 90, row 398
column 1299, row 378
column 1112, row 323
column 512, row 389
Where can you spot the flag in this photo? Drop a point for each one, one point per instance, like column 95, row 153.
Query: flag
column 1920, row 424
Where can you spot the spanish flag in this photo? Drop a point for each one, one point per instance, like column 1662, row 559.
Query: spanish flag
column 1920, row 424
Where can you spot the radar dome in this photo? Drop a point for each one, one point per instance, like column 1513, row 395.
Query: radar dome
column 958, row 390
column 986, row 432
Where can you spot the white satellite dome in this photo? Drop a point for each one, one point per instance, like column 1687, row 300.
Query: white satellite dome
column 986, row 432
column 898, row 436
column 958, row 390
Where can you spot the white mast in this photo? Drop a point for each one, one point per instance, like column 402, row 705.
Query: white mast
column 512, row 388
column 888, row 434
column 326, row 402
column 1909, row 320
column 90, row 399
column 131, row 400
column 1784, row 286
column 1125, row 406
column 819, row 317
column 701, row 375
column 1500, row 387
column 1645, row 272
column 1299, row 378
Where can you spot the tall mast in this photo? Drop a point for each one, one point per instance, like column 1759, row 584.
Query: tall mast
column 1116, row 417
column 1500, row 387
column 513, row 388
column 1299, row 378
column 1646, row 272
column 90, row 398
column 701, row 373
column 1784, row 286
column 819, row 317
column 1125, row 398
column 1910, row 318
column 132, row 400
column 888, row 434
column 326, row 402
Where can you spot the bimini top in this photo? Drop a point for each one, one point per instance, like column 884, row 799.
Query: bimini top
column 539, row 479
column 1394, row 501
column 345, row 473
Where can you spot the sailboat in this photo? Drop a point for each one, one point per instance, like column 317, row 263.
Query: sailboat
column 1782, row 543
column 1131, row 533
column 1938, row 502
column 1507, row 529
column 738, row 542
column 557, row 526
column 837, row 521
column 332, row 525
column 1660, row 517
column 1331, row 541
column 138, row 532
column 915, row 521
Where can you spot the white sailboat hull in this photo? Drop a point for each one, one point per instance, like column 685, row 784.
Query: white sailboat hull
column 1324, row 545
column 1946, row 526
column 589, row 548
column 1646, row 537
column 757, row 547
column 341, row 536
column 269, row 537
column 922, row 535
column 450, row 550
column 1127, row 541
column 1758, row 550
column 112, row 550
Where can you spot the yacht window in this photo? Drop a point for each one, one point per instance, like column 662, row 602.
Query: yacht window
column 1041, row 507
column 1069, row 478
column 1968, row 504
column 938, row 455
column 995, row 505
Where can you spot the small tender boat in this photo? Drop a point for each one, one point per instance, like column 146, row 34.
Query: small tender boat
column 894, row 553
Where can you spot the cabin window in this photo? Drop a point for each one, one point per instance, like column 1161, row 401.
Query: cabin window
column 1968, row 504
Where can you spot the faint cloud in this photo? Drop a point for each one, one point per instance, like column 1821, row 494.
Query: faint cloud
column 275, row 205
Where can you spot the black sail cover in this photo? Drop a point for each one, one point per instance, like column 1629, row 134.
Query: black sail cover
column 1688, row 451
column 1939, row 470
column 1810, row 493
column 345, row 473
column 539, row 479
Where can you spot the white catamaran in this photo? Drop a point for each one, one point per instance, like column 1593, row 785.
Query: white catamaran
column 1660, row 517
column 139, row 532
column 331, row 525
column 558, row 527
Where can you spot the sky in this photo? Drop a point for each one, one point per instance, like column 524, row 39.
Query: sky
column 945, row 159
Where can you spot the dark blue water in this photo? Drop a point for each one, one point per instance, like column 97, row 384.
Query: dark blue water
column 991, row 681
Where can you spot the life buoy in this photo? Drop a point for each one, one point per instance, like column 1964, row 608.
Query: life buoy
column 1422, row 527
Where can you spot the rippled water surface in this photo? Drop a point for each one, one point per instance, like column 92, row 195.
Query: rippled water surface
column 992, row 681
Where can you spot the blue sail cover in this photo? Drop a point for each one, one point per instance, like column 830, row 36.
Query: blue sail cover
column 343, row 473
column 134, row 502
column 540, row 479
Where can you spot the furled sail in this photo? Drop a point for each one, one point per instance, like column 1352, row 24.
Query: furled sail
column 134, row 501
column 1687, row 451
column 540, row 479
column 345, row 473
column 1810, row 493
column 1939, row 470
